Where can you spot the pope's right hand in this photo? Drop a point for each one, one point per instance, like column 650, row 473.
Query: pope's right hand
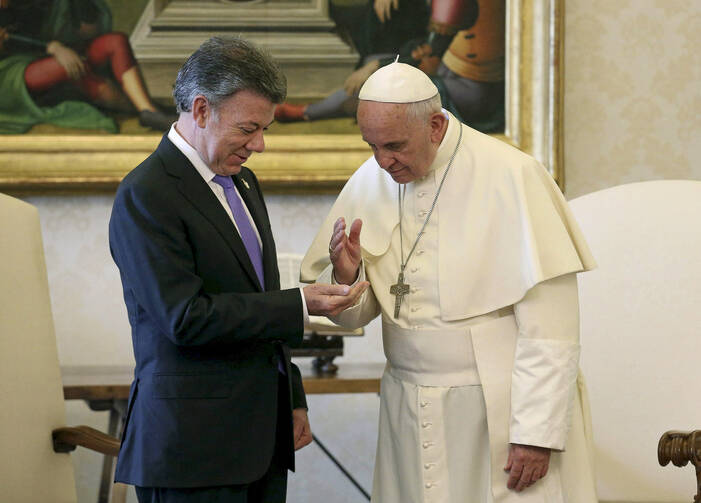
column 344, row 251
column 332, row 300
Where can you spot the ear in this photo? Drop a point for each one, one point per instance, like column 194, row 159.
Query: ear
column 437, row 122
column 201, row 111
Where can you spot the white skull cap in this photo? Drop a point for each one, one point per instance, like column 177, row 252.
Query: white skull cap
column 398, row 83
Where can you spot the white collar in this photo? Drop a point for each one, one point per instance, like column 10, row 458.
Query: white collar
column 192, row 155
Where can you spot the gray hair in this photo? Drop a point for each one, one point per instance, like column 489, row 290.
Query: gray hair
column 223, row 66
column 422, row 110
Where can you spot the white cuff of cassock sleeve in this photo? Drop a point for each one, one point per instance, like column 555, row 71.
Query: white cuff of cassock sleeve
column 542, row 392
column 305, row 311
column 360, row 277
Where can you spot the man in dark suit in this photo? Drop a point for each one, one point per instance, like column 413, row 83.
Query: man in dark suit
column 216, row 409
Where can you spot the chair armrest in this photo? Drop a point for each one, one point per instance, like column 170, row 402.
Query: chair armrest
column 681, row 447
column 67, row 439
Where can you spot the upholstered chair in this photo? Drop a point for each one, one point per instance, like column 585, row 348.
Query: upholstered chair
column 641, row 335
column 34, row 464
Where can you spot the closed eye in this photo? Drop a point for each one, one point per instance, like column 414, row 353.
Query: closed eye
column 394, row 146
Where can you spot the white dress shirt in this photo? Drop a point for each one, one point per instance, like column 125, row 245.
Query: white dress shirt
column 208, row 176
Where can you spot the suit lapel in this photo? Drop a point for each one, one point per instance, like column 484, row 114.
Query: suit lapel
column 196, row 190
column 254, row 202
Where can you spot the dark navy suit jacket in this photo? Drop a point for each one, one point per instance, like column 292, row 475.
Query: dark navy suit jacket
column 207, row 338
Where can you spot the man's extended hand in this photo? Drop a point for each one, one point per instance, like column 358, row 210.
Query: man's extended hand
column 526, row 465
column 332, row 300
column 301, row 430
column 344, row 251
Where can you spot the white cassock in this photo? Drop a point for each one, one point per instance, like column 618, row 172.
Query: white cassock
column 486, row 347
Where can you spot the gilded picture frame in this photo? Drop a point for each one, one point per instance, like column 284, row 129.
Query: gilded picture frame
column 317, row 162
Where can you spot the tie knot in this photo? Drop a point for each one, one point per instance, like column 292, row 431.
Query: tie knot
column 224, row 181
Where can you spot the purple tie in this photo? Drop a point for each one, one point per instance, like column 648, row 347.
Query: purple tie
column 248, row 235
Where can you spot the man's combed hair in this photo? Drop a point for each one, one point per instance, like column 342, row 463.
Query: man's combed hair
column 223, row 66
column 422, row 110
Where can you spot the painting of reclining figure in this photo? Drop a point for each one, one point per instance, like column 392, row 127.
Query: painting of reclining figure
column 62, row 64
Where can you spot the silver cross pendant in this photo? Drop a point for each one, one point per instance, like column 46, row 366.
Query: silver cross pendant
column 399, row 290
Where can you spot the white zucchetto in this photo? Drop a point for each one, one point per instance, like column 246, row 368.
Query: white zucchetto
column 398, row 83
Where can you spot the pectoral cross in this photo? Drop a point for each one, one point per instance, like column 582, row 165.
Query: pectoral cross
column 399, row 290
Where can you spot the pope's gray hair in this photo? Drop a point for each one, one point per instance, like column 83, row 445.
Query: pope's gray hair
column 223, row 66
column 422, row 110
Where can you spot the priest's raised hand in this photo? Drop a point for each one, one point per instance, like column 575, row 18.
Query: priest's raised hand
column 344, row 251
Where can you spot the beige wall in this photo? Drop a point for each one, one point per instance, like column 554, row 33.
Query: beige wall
column 632, row 92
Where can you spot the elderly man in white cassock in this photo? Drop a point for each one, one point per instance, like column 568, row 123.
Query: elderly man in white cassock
column 471, row 253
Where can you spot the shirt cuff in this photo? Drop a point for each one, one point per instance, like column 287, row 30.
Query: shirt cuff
column 358, row 278
column 305, row 311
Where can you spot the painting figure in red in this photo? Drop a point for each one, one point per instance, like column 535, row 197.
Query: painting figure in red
column 58, row 58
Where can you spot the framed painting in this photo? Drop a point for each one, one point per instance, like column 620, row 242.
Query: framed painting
column 316, row 157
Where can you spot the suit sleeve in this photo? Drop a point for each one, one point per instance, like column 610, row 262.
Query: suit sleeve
column 150, row 244
column 545, row 364
column 299, row 399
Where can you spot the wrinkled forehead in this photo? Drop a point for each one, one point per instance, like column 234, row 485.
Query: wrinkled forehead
column 378, row 116
column 366, row 108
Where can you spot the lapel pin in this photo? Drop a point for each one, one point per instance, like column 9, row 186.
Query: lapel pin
column 245, row 183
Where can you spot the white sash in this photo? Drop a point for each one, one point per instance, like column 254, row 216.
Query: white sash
column 430, row 357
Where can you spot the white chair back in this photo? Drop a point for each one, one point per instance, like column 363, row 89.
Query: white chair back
column 31, row 395
column 641, row 332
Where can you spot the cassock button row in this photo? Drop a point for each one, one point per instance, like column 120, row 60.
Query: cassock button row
column 428, row 466
column 421, row 194
column 426, row 445
column 425, row 404
column 422, row 213
column 414, row 309
column 414, row 269
column 425, row 424
column 419, row 252
column 415, row 289
column 429, row 485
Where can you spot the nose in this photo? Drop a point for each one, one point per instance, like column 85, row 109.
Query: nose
column 384, row 159
column 256, row 142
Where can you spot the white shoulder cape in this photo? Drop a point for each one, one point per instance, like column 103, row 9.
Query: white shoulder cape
column 504, row 225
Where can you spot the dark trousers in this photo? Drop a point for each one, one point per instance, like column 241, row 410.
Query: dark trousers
column 271, row 488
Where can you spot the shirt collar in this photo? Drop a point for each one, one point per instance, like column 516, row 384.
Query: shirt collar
column 192, row 155
column 448, row 143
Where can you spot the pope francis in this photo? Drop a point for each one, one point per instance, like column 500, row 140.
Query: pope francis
column 471, row 253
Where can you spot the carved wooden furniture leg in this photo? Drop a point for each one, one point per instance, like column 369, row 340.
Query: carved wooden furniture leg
column 680, row 447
